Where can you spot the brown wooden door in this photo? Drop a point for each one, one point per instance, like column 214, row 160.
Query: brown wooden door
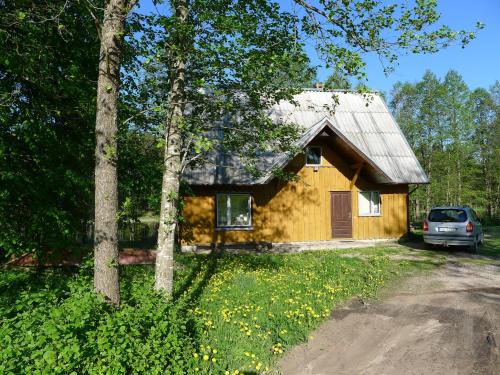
column 341, row 212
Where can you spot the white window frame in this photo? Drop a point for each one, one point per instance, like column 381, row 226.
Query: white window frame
column 371, row 213
column 228, row 213
column 320, row 156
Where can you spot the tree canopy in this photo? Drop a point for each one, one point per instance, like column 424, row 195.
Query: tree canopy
column 454, row 133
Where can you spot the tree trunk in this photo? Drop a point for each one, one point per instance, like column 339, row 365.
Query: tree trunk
column 106, row 184
column 428, row 191
column 417, row 209
column 459, row 179
column 164, row 271
column 489, row 192
column 448, row 184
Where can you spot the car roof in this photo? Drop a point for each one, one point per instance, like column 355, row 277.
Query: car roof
column 450, row 208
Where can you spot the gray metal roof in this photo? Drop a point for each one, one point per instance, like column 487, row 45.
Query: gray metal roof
column 362, row 121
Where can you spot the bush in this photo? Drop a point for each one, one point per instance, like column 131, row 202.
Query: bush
column 52, row 331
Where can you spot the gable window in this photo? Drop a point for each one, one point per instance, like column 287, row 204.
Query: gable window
column 369, row 203
column 234, row 210
column 313, row 155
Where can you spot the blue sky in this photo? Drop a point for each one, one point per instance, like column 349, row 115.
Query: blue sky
column 478, row 63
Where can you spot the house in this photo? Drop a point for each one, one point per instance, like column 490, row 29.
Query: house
column 352, row 180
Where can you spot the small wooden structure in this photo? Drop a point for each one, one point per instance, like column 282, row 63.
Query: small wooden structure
column 352, row 180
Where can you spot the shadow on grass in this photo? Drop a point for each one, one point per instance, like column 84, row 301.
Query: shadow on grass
column 190, row 290
column 17, row 280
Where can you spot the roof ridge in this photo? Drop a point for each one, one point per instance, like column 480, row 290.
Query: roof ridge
column 351, row 91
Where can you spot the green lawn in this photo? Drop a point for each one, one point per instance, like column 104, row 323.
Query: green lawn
column 231, row 313
column 491, row 246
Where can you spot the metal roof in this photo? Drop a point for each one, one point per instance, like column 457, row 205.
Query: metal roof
column 362, row 121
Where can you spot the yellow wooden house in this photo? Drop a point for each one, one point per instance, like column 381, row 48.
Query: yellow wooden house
column 352, row 180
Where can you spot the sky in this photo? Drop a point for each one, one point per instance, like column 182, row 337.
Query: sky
column 478, row 63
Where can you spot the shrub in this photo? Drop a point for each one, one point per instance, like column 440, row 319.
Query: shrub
column 75, row 332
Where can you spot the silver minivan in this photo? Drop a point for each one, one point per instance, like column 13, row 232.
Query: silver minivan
column 453, row 226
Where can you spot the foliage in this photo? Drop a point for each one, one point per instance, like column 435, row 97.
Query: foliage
column 53, row 323
column 454, row 133
column 242, row 57
column 240, row 311
column 48, row 75
column 47, row 107
column 345, row 31
column 338, row 82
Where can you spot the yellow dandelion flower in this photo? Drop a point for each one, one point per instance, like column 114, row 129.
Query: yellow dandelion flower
column 205, row 357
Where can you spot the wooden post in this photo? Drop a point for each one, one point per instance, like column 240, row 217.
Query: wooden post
column 356, row 175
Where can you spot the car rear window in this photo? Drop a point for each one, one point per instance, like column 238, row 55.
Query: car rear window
column 448, row 215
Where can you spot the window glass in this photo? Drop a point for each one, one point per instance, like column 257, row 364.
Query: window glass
column 240, row 213
column 448, row 215
column 369, row 203
column 313, row 155
column 364, row 203
column 234, row 210
column 222, row 210
column 375, row 202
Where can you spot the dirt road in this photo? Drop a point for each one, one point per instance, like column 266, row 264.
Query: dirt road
column 445, row 322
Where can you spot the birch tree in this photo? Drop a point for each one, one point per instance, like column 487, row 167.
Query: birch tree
column 243, row 44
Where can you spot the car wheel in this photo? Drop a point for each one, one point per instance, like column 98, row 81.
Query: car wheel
column 429, row 246
column 473, row 247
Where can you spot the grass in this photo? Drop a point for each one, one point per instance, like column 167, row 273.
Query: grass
column 232, row 313
column 255, row 307
column 491, row 246
column 488, row 252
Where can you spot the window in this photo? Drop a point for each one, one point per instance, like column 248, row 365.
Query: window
column 313, row 155
column 448, row 215
column 234, row 210
column 369, row 203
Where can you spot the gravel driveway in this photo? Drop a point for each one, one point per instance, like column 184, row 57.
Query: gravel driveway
column 444, row 322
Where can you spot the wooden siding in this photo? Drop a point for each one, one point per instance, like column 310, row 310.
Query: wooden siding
column 298, row 210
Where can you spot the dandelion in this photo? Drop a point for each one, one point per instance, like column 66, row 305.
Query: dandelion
column 205, row 357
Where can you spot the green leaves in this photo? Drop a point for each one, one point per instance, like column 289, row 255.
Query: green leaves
column 47, row 112
column 21, row 15
column 64, row 328
column 452, row 132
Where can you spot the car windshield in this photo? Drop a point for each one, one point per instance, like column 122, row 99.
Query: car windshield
column 448, row 215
